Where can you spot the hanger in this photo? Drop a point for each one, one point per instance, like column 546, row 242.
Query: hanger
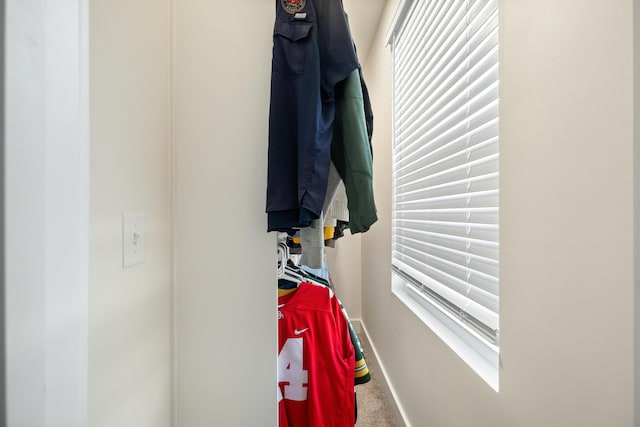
column 291, row 276
column 285, row 271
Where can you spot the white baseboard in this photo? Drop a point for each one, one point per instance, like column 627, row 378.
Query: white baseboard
column 389, row 391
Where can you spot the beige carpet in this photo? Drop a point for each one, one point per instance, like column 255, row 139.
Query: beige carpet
column 374, row 408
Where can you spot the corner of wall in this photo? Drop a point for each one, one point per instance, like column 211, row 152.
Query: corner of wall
column 636, row 206
column 173, row 176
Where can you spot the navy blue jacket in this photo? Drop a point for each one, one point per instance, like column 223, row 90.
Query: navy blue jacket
column 312, row 51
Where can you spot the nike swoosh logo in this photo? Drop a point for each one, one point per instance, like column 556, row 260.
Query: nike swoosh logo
column 300, row 331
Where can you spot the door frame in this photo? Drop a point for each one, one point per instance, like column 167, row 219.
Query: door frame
column 45, row 212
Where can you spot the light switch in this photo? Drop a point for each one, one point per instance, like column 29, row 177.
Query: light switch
column 132, row 239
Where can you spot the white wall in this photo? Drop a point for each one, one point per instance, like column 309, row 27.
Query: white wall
column 364, row 17
column 225, row 259
column 47, row 214
column 130, row 309
column 344, row 263
column 567, row 206
column 636, row 117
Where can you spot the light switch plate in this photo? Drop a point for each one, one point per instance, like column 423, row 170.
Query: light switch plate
column 132, row 239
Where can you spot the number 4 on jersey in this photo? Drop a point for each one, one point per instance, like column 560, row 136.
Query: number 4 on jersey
column 290, row 370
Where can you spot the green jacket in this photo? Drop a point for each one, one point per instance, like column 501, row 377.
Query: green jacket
column 351, row 153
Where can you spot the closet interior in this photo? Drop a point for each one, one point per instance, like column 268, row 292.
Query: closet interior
column 319, row 184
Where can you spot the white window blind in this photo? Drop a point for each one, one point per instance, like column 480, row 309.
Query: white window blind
column 445, row 165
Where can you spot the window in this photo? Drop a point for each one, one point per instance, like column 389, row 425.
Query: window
column 445, row 172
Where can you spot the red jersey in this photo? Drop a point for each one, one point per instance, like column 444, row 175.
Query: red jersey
column 315, row 360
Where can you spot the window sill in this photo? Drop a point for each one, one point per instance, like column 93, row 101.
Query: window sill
column 475, row 351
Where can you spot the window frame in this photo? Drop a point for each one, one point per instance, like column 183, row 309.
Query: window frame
column 476, row 348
